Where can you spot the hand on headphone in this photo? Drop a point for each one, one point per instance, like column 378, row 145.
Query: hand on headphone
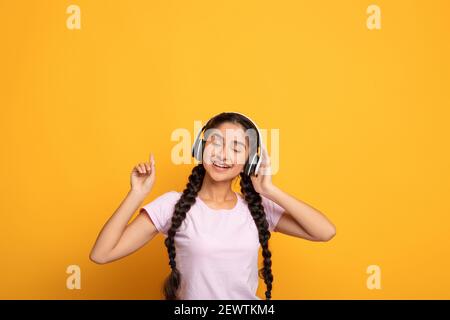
column 262, row 182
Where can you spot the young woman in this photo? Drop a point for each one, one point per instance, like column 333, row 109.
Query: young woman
column 213, row 233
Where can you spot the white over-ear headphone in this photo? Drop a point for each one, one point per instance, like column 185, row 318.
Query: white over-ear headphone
column 254, row 160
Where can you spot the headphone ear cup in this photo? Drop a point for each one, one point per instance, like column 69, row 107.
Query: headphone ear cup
column 246, row 167
column 194, row 149
column 251, row 168
column 256, row 166
column 200, row 147
column 251, row 165
column 197, row 149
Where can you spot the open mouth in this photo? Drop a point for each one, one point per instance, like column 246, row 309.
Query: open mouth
column 221, row 165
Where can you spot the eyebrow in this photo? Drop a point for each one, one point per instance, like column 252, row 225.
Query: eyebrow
column 235, row 141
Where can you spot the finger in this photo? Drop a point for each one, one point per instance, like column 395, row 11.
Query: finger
column 152, row 160
column 141, row 168
column 266, row 156
column 266, row 171
column 266, row 153
column 147, row 166
column 138, row 169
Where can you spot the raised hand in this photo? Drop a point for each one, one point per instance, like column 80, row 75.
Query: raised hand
column 143, row 176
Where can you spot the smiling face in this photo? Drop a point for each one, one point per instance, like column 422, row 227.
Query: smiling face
column 226, row 151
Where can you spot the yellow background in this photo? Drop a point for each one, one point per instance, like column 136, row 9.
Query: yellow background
column 363, row 118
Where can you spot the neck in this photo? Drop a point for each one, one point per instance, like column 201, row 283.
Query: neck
column 218, row 191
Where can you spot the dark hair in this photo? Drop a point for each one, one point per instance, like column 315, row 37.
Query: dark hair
column 188, row 197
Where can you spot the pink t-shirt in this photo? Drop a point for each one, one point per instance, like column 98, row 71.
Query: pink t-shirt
column 216, row 249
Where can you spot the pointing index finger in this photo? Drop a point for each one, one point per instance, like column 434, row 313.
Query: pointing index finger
column 152, row 159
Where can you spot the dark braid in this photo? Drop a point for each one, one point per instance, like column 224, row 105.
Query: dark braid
column 183, row 205
column 254, row 201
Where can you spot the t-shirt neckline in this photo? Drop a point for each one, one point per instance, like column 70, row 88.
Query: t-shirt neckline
column 221, row 210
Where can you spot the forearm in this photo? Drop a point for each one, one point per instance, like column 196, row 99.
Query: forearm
column 313, row 221
column 113, row 229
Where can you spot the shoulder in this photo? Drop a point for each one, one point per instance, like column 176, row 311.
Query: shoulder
column 169, row 196
column 272, row 209
column 266, row 202
column 161, row 209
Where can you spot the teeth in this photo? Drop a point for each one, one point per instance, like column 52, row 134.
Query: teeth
column 221, row 166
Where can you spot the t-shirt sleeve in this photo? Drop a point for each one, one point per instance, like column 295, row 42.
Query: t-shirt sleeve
column 273, row 212
column 160, row 210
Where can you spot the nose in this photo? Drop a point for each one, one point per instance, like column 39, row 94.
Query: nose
column 222, row 153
